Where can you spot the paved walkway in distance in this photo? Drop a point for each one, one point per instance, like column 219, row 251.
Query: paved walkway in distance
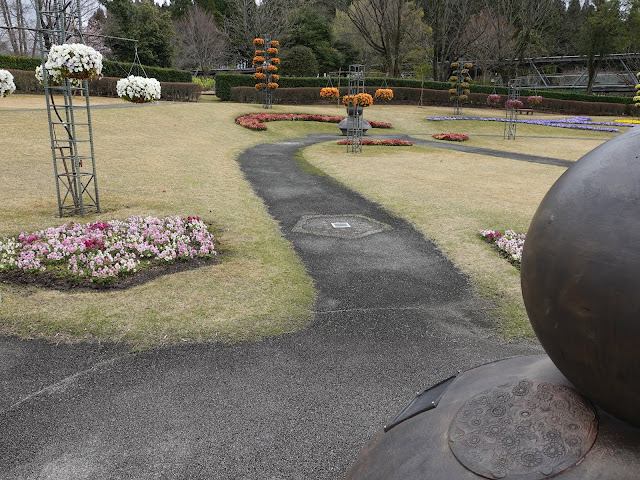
column 393, row 317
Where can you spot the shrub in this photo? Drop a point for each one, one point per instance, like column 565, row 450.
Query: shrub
column 106, row 87
column 109, row 68
column 300, row 61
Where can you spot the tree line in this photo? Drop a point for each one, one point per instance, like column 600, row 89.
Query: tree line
column 395, row 37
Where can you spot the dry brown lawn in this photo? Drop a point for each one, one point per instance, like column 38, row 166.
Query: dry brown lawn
column 180, row 159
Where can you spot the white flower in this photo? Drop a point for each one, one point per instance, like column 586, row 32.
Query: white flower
column 74, row 60
column 138, row 89
column 55, row 78
column 7, row 87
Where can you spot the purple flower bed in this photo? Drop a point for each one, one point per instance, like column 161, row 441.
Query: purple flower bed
column 579, row 123
column 103, row 251
column 509, row 244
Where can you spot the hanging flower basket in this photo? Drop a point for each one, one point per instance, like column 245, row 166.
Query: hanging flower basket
column 360, row 100
column 468, row 65
column 493, row 99
column 534, row 100
column 258, row 41
column 272, row 68
column 261, row 86
column 259, row 53
column 74, row 60
column 455, row 64
column 509, row 104
column 275, row 61
column 7, row 87
column 272, row 51
column 138, row 89
column 258, row 60
column 55, row 78
column 329, row 93
column 275, row 78
column 272, row 85
column 383, row 94
column 275, row 43
column 453, row 78
column 259, row 69
column 259, row 76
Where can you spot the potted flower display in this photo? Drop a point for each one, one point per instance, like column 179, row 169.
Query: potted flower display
column 329, row 93
column 258, row 42
column 509, row 104
column 355, row 103
column 534, row 100
column 259, row 76
column 138, row 89
column 74, row 60
column 7, row 87
column 494, row 100
column 261, row 86
column 272, row 85
column 55, row 78
column 384, row 94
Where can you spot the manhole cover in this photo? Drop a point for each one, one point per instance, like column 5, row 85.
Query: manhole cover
column 525, row 430
column 341, row 226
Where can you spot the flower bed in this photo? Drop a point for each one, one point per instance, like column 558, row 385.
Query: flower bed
column 101, row 252
column 256, row 121
column 452, row 137
column 7, row 87
column 388, row 142
column 138, row 89
column 508, row 244
column 580, row 123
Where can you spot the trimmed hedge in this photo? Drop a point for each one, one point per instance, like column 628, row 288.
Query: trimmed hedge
column 109, row 69
column 411, row 96
column 106, row 87
column 226, row 81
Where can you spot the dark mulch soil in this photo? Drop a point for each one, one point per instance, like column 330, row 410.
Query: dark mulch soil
column 56, row 282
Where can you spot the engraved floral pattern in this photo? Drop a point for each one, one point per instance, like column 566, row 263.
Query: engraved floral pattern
column 524, row 429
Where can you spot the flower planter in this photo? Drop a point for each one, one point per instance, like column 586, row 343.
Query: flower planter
column 355, row 110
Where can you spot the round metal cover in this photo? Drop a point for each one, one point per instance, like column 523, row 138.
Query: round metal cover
column 527, row 429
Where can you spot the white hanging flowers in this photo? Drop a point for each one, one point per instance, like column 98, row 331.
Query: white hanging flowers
column 138, row 89
column 7, row 87
column 55, row 78
column 74, row 60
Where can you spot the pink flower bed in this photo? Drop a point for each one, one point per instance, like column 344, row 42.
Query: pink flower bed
column 388, row 142
column 509, row 244
column 452, row 137
column 103, row 251
column 256, row 121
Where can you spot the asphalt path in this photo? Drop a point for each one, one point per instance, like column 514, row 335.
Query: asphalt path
column 393, row 316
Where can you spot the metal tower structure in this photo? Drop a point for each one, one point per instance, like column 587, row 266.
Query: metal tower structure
column 511, row 111
column 70, row 129
column 354, row 123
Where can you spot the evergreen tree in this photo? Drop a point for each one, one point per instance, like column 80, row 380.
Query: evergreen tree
column 142, row 21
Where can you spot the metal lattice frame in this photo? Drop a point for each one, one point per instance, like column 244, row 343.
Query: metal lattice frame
column 268, row 61
column 354, row 123
column 69, row 125
column 511, row 113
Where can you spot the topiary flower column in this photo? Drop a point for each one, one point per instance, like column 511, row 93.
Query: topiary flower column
column 266, row 62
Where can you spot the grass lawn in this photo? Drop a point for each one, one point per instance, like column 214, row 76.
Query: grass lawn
column 450, row 196
column 180, row 159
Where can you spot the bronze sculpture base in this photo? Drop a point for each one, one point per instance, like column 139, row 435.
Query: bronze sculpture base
column 513, row 419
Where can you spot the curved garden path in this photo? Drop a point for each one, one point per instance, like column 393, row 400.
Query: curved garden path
column 392, row 317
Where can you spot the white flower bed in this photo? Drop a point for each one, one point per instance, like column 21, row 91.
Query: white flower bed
column 74, row 60
column 55, row 78
column 7, row 87
column 138, row 89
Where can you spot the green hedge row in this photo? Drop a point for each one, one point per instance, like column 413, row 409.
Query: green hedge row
column 109, row 69
column 26, row 82
column 225, row 81
column 412, row 96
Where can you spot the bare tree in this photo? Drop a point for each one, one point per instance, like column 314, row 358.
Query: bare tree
column 248, row 20
column 13, row 17
column 392, row 29
column 201, row 44
column 450, row 21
